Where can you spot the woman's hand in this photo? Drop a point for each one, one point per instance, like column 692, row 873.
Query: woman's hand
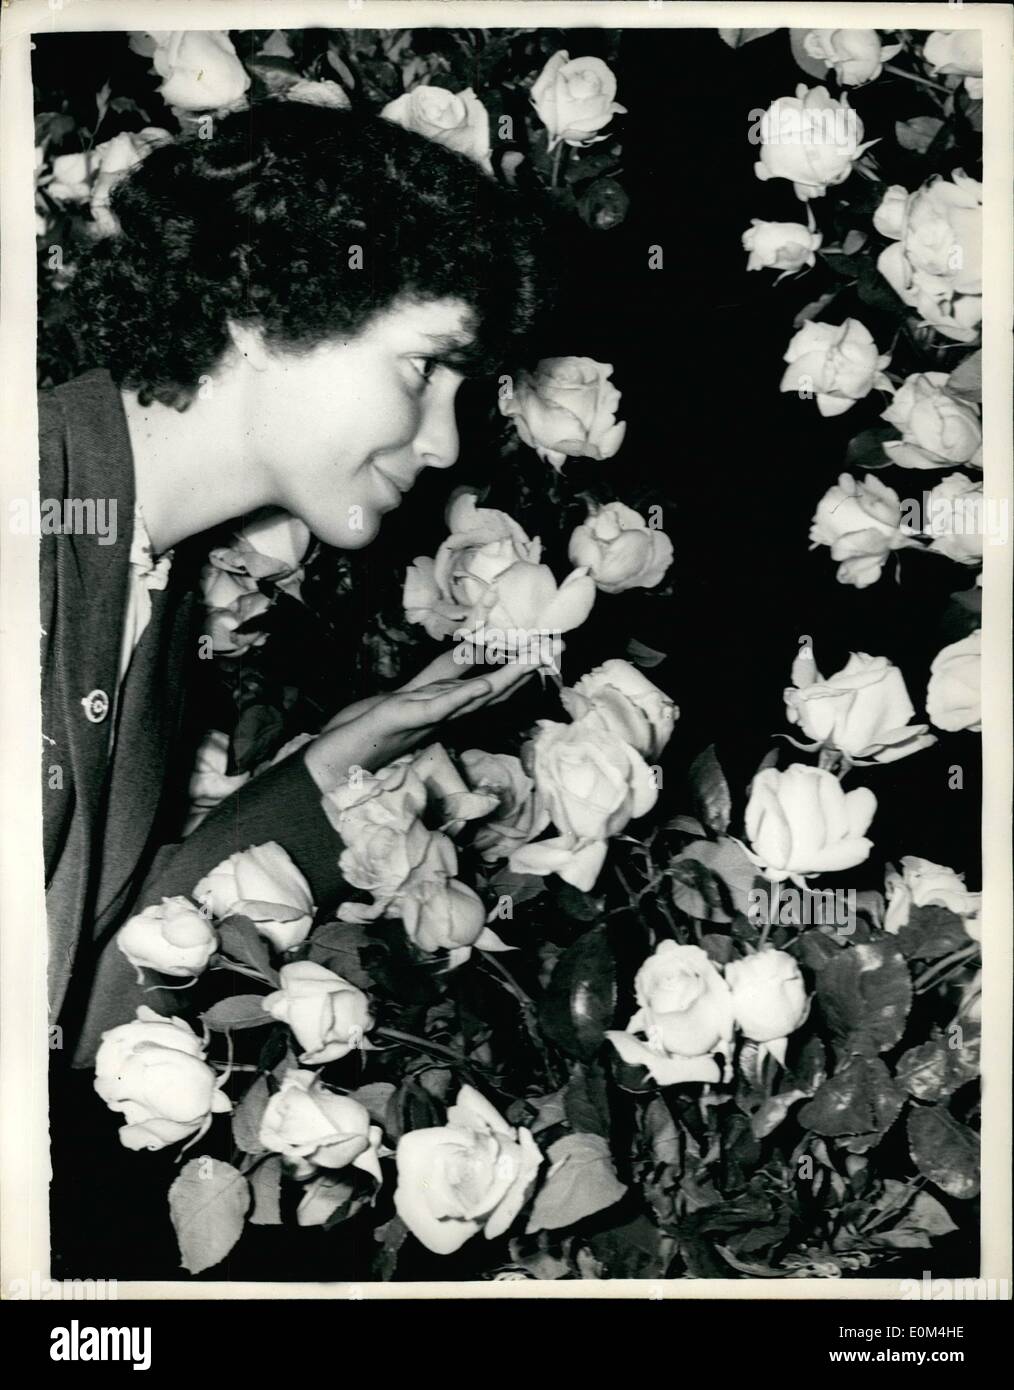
column 373, row 732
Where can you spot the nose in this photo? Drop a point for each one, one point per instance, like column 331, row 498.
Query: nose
column 436, row 444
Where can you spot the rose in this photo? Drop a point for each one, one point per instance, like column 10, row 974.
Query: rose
column 172, row 936
column 209, row 781
column 574, row 99
column 780, row 245
column 769, row 999
column 443, row 915
column 685, row 1015
column 487, row 571
column 324, row 93
column 736, row 38
column 382, row 859
column 592, row 783
column 328, row 1015
column 520, row 815
column 954, row 517
column 957, row 51
column 312, row 1127
column 111, row 161
column 936, row 427
column 231, row 601
column 922, row 883
column 861, row 522
column 856, row 55
column 953, row 698
column 620, row 550
column 199, row 68
column 863, row 711
column 152, row 1071
column 620, row 700
column 935, row 266
column 473, row 1174
column 459, row 121
column 801, row 822
column 261, row 883
column 811, row 139
column 72, row 178
column 839, row 362
column 271, row 547
column 392, row 799
column 567, row 409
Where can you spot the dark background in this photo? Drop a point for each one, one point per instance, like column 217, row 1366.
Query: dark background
column 697, row 349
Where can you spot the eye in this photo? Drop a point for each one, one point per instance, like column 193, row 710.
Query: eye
column 424, row 366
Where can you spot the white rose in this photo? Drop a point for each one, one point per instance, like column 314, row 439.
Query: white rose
column 443, row 915
column 473, row 1174
column 329, row 1016
column 312, row 1127
column 780, row 245
column 685, row 1016
column 575, row 98
column 209, row 781
column 459, row 121
column 567, row 409
column 861, row 522
column 324, row 93
column 889, row 218
column 838, row 362
column 199, row 68
column 620, row 550
column 855, row 55
column 111, row 161
column 621, row 700
column 271, row 547
column 520, row 815
column 592, row 783
column 769, row 999
column 811, row 139
column 172, row 936
column 392, row 798
column 152, row 1071
column 957, row 51
column 231, row 601
column 937, row 429
column 935, row 265
column 801, row 822
column 72, row 178
column 863, row 711
column 953, row 699
column 954, row 518
column 261, row 883
column 486, row 574
column 922, row 883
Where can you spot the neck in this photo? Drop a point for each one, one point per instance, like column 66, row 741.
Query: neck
column 192, row 468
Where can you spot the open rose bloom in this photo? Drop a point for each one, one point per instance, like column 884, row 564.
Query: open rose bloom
column 574, row 99
column 861, row 523
column 314, row 1128
column 922, row 883
column 863, row 711
column 473, row 1174
column 838, row 363
column 566, row 409
column 855, row 56
column 487, row 579
column 937, row 428
column 684, row 1017
column 592, row 783
column 812, row 139
column 800, row 822
column 457, row 120
column 261, row 883
column 620, row 550
column 954, row 694
column 152, row 1071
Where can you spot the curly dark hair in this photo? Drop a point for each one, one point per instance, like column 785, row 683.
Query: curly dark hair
column 256, row 224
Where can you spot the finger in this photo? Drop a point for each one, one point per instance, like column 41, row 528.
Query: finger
column 503, row 682
column 465, row 696
column 443, row 667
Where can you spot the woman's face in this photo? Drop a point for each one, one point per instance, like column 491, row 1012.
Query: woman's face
column 342, row 432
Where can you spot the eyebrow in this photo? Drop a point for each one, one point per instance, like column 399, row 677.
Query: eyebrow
column 461, row 353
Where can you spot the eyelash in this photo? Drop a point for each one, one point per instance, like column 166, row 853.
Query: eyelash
column 431, row 364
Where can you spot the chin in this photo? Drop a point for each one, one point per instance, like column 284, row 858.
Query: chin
column 343, row 535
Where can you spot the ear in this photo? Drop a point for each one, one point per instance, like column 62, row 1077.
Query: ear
column 248, row 340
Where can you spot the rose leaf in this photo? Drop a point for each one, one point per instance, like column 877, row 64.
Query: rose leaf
column 266, row 1186
column 712, row 799
column 865, row 993
column 238, row 1011
column 207, row 1204
column 861, row 1099
column 246, row 1119
column 944, row 1151
column 580, row 1182
column 580, row 1001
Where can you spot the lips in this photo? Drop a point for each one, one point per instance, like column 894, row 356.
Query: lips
column 397, row 486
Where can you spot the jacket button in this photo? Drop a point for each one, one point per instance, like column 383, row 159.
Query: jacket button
column 96, row 705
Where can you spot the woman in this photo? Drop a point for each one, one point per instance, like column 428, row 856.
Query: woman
column 282, row 320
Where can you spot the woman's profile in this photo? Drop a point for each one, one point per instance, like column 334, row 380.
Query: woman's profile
column 282, row 319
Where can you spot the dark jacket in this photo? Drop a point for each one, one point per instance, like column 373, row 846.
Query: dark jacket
column 105, row 801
